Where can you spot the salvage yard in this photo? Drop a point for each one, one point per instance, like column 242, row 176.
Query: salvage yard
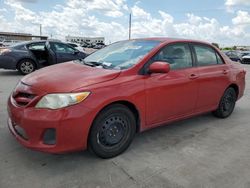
column 199, row 152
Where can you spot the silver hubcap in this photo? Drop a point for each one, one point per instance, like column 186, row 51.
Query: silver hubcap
column 27, row 67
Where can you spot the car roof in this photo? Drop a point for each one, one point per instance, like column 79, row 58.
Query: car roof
column 33, row 42
column 170, row 40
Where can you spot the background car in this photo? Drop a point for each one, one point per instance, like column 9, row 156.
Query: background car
column 99, row 45
column 234, row 55
column 76, row 46
column 28, row 56
column 244, row 53
column 91, row 45
column 246, row 59
column 84, row 44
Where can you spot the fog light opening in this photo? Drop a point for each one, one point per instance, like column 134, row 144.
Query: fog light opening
column 49, row 137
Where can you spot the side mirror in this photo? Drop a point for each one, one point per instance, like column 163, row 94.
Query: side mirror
column 159, row 67
column 76, row 52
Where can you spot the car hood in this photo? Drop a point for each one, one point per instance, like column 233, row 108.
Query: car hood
column 67, row 77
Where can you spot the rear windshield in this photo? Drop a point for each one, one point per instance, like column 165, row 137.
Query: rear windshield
column 19, row 46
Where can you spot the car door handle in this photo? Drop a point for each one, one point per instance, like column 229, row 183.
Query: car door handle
column 225, row 71
column 193, row 76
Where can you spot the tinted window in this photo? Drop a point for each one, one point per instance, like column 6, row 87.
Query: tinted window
column 37, row 46
column 177, row 55
column 62, row 48
column 205, row 55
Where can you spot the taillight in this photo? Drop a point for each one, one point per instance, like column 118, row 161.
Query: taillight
column 244, row 71
column 4, row 51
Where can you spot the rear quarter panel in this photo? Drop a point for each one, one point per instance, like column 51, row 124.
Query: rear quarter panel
column 238, row 74
column 19, row 55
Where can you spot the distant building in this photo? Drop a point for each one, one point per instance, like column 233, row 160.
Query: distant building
column 18, row 37
column 80, row 40
column 242, row 47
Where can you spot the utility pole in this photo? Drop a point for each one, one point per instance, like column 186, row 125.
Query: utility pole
column 40, row 29
column 129, row 30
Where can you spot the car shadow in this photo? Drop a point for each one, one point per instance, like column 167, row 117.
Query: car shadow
column 9, row 73
column 170, row 135
column 85, row 168
column 154, row 142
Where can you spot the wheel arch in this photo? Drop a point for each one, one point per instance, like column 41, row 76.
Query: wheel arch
column 134, row 109
column 235, row 87
column 26, row 58
column 131, row 106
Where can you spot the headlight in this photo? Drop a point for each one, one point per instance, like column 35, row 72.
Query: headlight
column 56, row 101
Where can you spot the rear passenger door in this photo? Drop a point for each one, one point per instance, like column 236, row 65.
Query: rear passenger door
column 213, row 76
column 37, row 51
column 64, row 52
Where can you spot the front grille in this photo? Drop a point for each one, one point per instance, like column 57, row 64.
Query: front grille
column 25, row 95
column 246, row 60
column 23, row 99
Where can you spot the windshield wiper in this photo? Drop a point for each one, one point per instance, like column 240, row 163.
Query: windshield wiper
column 92, row 63
column 95, row 64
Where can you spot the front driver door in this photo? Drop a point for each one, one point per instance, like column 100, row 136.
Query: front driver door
column 171, row 95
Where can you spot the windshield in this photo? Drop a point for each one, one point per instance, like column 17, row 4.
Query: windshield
column 121, row 55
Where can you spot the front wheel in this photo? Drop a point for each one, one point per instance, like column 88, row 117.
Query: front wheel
column 26, row 66
column 227, row 104
column 112, row 131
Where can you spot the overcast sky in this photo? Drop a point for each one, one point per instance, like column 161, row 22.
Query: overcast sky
column 224, row 21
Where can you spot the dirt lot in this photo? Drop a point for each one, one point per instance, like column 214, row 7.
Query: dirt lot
column 199, row 152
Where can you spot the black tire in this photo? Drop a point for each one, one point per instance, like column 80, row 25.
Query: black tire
column 26, row 66
column 112, row 131
column 227, row 104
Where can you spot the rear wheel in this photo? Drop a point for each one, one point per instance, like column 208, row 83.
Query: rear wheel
column 112, row 131
column 26, row 66
column 227, row 104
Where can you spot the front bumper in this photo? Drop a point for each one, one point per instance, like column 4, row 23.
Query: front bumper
column 71, row 127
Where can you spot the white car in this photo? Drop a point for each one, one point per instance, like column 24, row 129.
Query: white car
column 246, row 59
column 76, row 46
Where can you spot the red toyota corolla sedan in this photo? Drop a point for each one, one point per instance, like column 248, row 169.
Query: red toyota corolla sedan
column 130, row 86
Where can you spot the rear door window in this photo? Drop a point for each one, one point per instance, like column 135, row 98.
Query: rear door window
column 206, row 55
column 37, row 46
